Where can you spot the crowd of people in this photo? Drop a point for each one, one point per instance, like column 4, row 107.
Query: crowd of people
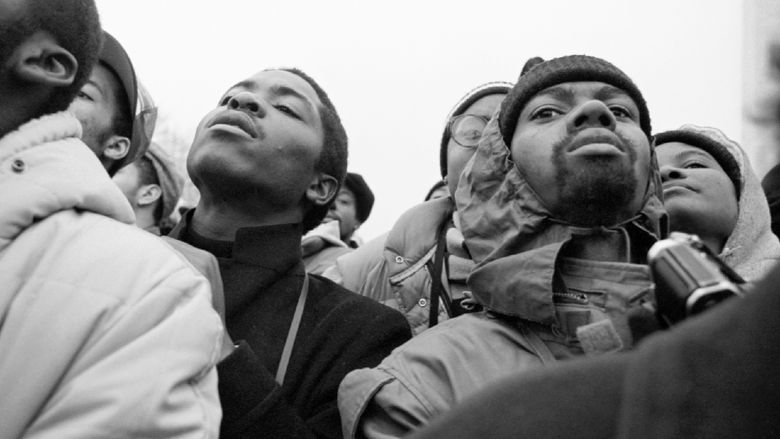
column 516, row 300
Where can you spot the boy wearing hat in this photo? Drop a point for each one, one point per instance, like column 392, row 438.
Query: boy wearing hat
column 710, row 190
column 116, row 113
column 333, row 237
column 153, row 186
column 558, row 207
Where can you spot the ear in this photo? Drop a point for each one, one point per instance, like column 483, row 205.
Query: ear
column 116, row 147
column 41, row 60
column 148, row 194
column 322, row 189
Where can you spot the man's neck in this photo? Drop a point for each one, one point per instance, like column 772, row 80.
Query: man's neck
column 221, row 221
column 144, row 218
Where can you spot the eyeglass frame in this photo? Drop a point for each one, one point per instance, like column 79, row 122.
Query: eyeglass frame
column 460, row 116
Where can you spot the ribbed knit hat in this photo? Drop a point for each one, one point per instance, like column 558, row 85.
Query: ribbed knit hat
column 463, row 104
column 364, row 198
column 539, row 75
column 714, row 142
column 171, row 181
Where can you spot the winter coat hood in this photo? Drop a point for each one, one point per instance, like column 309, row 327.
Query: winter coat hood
column 513, row 237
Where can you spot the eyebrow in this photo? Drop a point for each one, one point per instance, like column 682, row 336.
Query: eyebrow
column 97, row 86
column 563, row 93
column 693, row 152
column 278, row 90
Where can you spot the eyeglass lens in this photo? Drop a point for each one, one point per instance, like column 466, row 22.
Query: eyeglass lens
column 467, row 129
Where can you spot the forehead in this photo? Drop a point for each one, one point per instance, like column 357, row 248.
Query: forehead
column 486, row 105
column 672, row 152
column 573, row 91
column 10, row 8
column 280, row 80
column 106, row 81
column 346, row 191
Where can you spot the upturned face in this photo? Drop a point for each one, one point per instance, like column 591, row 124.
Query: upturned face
column 96, row 106
column 698, row 194
column 263, row 138
column 581, row 149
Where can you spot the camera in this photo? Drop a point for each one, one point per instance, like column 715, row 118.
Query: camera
column 689, row 278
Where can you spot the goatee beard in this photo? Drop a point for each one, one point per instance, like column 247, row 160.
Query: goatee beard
column 598, row 192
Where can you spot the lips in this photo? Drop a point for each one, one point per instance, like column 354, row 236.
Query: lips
column 236, row 119
column 677, row 185
column 596, row 139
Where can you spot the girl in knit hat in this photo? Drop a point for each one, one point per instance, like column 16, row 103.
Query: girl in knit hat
column 710, row 190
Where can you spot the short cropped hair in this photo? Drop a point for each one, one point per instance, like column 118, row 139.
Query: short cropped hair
column 76, row 25
column 333, row 158
column 147, row 175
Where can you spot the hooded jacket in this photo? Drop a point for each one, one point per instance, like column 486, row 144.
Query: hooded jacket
column 541, row 306
column 106, row 331
column 751, row 249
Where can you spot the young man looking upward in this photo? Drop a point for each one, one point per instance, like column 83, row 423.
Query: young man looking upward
column 268, row 161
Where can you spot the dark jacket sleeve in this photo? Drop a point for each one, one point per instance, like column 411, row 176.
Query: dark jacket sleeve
column 356, row 334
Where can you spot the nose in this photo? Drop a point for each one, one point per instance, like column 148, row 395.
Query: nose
column 669, row 172
column 246, row 101
column 591, row 114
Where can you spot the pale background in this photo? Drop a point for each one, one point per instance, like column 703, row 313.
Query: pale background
column 395, row 70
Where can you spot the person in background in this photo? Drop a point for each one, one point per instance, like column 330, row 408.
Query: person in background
column 438, row 190
column 426, row 242
column 268, row 161
column 771, row 186
column 152, row 185
column 116, row 112
column 558, row 208
column 106, row 331
column 334, row 236
column 710, row 190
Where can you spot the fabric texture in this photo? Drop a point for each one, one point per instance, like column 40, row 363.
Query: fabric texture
column 751, row 249
column 713, row 376
column 340, row 331
column 771, row 185
column 554, row 307
column 393, row 269
column 321, row 246
column 573, row 68
column 107, row 331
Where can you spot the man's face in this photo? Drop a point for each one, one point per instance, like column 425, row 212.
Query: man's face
column 344, row 210
column 580, row 147
column 265, row 136
column 458, row 156
column 95, row 107
column 698, row 195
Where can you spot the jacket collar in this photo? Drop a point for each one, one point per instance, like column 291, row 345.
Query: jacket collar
column 276, row 247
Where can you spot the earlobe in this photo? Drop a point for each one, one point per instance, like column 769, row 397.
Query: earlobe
column 322, row 190
column 148, row 194
column 40, row 60
column 116, row 147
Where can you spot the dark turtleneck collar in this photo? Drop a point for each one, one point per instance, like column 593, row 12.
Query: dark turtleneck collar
column 274, row 247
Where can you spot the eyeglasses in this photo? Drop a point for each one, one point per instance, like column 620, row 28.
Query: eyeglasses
column 466, row 129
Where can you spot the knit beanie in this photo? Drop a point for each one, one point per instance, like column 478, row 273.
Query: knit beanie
column 364, row 198
column 539, row 75
column 711, row 140
column 463, row 104
column 171, row 181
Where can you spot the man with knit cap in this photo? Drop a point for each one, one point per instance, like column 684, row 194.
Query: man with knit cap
column 333, row 237
column 153, row 186
column 710, row 190
column 558, row 207
column 116, row 112
column 398, row 268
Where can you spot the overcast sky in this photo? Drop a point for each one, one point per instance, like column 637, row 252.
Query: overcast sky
column 395, row 69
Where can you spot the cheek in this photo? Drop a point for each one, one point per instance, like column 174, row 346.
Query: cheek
column 457, row 158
